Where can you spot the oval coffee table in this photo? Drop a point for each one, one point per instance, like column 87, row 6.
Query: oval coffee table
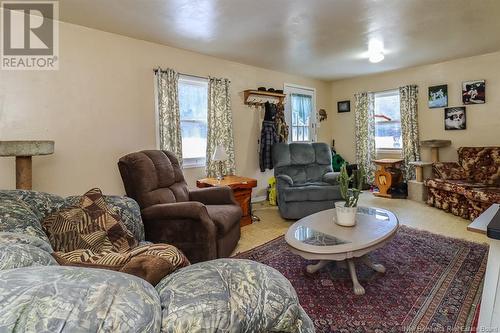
column 318, row 237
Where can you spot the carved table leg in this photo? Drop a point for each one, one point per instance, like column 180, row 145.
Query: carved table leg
column 243, row 196
column 358, row 288
column 376, row 267
column 316, row 267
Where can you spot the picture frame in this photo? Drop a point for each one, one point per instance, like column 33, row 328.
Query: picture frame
column 474, row 92
column 455, row 118
column 438, row 96
column 343, row 106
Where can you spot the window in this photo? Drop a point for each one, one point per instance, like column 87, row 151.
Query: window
column 193, row 103
column 387, row 121
column 300, row 113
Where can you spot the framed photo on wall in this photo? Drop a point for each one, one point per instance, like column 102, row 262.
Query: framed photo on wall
column 438, row 96
column 474, row 92
column 344, row 106
column 454, row 118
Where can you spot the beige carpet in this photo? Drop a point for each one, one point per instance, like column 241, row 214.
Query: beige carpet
column 413, row 214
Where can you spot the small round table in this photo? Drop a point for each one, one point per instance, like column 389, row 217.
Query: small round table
column 318, row 237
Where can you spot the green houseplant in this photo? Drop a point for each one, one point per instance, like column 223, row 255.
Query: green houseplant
column 346, row 210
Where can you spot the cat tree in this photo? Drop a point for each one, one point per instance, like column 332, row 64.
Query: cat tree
column 23, row 151
column 416, row 188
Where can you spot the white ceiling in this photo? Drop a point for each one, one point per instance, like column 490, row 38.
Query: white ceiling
column 324, row 39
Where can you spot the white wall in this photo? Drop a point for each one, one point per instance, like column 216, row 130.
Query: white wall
column 99, row 106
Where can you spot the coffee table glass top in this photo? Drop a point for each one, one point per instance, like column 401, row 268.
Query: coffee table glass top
column 313, row 237
column 318, row 233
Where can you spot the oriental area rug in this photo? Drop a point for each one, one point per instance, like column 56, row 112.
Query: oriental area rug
column 432, row 283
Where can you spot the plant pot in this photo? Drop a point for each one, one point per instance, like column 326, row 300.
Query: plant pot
column 346, row 216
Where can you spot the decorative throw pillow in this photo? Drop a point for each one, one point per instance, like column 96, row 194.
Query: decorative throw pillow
column 152, row 262
column 91, row 235
column 449, row 170
column 489, row 175
column 89, row 226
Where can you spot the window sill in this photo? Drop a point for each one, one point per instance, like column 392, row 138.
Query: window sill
column 388, row 151
column 193, row 162
column 192, row 166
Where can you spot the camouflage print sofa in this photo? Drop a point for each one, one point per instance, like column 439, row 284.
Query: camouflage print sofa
column 469, row 187
column 38, row 295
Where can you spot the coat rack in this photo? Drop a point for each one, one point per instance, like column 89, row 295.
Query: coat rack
column 259, row 98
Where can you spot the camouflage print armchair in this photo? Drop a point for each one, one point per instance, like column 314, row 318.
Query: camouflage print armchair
column 469, row 187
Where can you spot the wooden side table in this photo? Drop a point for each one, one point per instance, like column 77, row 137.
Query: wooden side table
column 387, row 176
column 242, row 189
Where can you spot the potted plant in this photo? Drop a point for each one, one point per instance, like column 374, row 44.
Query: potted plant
column 346, row 210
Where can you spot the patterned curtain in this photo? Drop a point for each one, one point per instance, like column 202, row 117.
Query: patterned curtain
column 408, row 96
column 364, row 104
column 220, row 125
column 168, row 112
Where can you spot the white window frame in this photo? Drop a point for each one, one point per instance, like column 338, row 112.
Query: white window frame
column 194, row 162
column 289, row 89
column 388, row 151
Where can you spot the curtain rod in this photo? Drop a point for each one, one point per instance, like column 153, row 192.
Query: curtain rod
column 387, row 90
column 197, row 76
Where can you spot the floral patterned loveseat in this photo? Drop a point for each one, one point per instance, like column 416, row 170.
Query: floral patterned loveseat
column 38, row 295
column 469, row 187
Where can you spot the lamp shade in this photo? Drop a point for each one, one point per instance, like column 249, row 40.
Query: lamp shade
column 220, row 153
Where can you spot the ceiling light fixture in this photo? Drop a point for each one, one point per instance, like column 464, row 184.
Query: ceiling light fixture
column 375, row 51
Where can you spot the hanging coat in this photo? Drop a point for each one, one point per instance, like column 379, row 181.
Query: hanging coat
column 268, row 138
column 281, row 125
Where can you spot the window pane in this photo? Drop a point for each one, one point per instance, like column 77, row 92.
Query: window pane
column 193, row 101
column 387, row 121
column 301, row 108
column 194, row 139
column 307, row 113
column 306, row 133
column 294, row 133
column 388, row 135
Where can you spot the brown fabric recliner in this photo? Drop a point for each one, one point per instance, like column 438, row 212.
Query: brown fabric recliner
column 202, row 223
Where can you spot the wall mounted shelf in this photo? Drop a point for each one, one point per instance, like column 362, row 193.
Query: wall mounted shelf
column 258, row 97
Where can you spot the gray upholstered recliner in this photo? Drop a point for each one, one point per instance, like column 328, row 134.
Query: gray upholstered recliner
column 305, row 180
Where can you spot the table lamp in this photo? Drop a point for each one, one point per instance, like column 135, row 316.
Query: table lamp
column 220, row 156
